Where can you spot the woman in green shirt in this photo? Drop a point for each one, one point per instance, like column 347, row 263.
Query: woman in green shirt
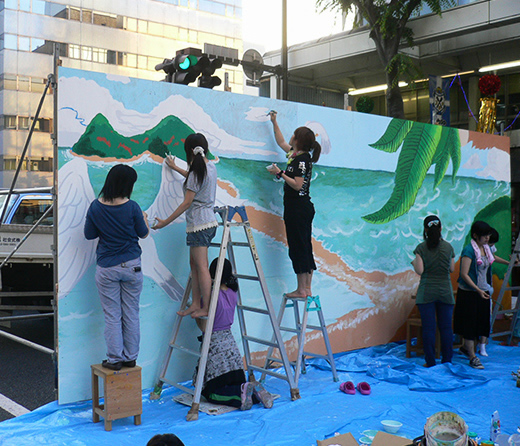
column 434, row 261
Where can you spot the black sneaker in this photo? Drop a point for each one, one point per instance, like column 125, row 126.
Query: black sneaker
column 475, row 363
column 112, row 365
column 129, row 363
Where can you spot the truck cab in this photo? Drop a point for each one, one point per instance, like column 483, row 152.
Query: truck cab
column 26, row 208
column 27, row 277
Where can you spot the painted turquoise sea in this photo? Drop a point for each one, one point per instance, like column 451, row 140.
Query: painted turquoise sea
column 341, row 199
column 345, row 195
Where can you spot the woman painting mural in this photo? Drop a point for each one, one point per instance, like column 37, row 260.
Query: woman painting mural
column 302, row 151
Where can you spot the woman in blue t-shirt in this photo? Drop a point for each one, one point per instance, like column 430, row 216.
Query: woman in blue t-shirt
column 298, row 211
column 118, row 222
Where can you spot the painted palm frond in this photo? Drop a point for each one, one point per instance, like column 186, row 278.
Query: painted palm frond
column 455, row 152
column 394, row 136
column 441, row 159
column 423, row 145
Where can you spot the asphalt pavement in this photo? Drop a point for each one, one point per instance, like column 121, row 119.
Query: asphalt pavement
column 27, row 376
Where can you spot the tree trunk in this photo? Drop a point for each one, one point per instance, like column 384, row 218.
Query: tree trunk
column 394, row 99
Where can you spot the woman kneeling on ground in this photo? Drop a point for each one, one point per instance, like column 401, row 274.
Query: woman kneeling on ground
column 224, row 380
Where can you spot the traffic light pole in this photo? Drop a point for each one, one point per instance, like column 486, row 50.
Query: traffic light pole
column 285, row 61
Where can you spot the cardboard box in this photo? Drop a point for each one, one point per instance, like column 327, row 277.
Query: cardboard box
column 381, row 439
column 384, row 439
column 340, row 440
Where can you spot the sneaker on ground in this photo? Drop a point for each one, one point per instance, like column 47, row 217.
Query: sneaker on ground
column 475, row 363
column 247, row 396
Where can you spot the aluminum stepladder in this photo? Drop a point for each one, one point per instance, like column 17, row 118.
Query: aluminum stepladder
column 309, row 304
column 497, row 308
column 226, row 249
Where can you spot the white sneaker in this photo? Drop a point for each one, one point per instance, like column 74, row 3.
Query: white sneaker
column 483, row 351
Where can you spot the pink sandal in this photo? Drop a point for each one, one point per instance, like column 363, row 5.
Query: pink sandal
column 364, row 388
column 348, row 388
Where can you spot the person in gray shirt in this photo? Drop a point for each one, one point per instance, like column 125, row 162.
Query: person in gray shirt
column 200, row 188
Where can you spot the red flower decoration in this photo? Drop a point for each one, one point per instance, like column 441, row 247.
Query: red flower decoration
column 489, row 84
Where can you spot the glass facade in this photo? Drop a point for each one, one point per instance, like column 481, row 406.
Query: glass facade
column 119, row 37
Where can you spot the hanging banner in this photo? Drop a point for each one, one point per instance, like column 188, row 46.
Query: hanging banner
column 440, row 101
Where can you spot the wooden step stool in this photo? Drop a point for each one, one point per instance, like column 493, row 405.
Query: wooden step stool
column 121, row 392
column 418, row 348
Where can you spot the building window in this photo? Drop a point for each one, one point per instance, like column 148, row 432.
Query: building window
column 74, row 14
column 10, row 164
column 33, row 164
column 25, row 5
column 24, row 43
column 10, row 82
column 105, row 19
column 10, row 42
column 86, row 53
column 24, row 83
column 23, row 122
column 11, row 4
column 130, row 24
column 74, row 51
column 86, row 16
column 111, row 57
column 36, row 44
column 43, row 125
column 142, row 27
column 9, row 122
column 99, row 55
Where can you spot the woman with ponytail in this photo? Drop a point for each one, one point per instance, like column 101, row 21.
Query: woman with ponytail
column 200, row 189
column 434, row 261
column 224, row 379
column 302, row 152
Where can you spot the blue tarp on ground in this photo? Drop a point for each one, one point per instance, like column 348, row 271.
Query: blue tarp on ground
column 402, row 390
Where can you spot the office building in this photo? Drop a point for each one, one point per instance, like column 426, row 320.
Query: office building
column 121, row 37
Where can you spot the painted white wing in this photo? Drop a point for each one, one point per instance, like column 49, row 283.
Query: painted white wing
column 170, row 196
column 75, row 253
column 321, row 135
column 157, row 271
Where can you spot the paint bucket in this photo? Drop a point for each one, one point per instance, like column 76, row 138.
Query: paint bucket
column 446, row 429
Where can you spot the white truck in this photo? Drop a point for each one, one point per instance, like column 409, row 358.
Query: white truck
column 26, row 279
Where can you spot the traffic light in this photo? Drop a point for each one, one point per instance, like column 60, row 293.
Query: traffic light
column 209, row 65
column 168, row 66
column 188, row 68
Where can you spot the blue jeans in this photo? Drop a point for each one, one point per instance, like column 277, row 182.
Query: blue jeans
column 119, row 289
column 444, row 314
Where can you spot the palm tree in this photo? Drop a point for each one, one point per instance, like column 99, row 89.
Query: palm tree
column 387, row 20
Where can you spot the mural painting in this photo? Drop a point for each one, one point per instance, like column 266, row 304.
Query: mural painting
column 376, row 180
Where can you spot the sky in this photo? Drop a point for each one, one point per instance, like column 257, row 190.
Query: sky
column 263, row 23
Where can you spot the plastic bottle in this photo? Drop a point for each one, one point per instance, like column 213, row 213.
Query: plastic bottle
column 495, row 426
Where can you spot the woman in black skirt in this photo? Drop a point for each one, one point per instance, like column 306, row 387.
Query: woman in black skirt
column 471, row 315
column 302, row 151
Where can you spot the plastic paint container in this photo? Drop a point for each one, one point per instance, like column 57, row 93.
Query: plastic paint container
column 446, row 429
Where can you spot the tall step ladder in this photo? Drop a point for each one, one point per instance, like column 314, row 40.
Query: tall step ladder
column 308, row 304
column 497, row 309
column 227, row 246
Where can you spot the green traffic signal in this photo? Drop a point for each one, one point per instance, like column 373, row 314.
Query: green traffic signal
column 185, row 62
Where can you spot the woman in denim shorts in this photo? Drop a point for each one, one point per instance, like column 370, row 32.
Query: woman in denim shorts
column 200, row 188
